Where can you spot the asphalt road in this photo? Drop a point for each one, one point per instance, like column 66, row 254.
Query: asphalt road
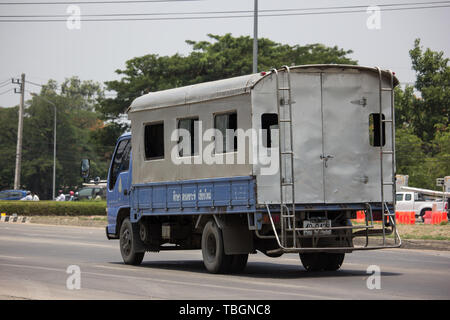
column 34, row 260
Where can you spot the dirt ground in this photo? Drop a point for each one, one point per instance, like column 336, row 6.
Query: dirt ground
column 424, row 231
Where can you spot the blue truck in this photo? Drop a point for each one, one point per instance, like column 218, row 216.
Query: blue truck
column 276, row 162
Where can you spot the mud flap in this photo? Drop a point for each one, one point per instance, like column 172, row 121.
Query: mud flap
column 139, row 245
column 237, row 237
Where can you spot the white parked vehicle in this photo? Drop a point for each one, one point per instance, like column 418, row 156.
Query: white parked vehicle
column 414, row 201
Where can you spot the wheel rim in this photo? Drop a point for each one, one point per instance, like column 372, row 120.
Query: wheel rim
column 211, row 247
column 126, row 242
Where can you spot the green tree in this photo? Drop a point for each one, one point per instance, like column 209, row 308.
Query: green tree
column 440, row 162
column 8, row 141
column 410, row 158
column 429, row 106
column 76, row 122
column 224, row 57
column 422, row 120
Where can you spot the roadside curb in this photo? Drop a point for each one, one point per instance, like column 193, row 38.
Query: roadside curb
column 14, row 219
column 440, row 245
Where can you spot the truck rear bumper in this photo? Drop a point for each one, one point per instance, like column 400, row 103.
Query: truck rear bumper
column 338, row 239
column 332, row 249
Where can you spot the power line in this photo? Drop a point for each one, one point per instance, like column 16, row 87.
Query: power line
column 2, row 93
column 6, row 84
column 5, row 81
column 91, row 2
column 222, row 17
column 227, row 12
column 35, row 84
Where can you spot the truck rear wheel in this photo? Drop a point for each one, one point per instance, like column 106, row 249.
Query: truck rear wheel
column 128, row 245
column 214, row 257
column 322, row 261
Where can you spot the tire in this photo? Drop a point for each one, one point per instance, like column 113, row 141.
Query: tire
column 422, row 213
column 322, row 261
column 311, row 261
column 273, row 255
column 238, row 263
column 214, row 257
column 333, row 261
column 128, row 245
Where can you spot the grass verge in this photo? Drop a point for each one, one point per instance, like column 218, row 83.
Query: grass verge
column 83, row 221
column 420, row 231
column 53, row 208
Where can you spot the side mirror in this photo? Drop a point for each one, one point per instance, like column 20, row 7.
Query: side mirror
column 85, row 167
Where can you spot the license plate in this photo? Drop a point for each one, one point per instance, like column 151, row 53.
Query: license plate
column 316, row 224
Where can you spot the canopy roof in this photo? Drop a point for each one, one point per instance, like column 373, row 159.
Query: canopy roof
column 212, row 90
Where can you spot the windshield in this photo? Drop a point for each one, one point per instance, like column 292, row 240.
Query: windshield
column 399, row 197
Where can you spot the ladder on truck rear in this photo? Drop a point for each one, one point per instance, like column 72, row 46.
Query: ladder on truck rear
column 385, row 212
column 286, row 157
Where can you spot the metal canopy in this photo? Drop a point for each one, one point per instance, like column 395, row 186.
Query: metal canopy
column 195, row 93
column 212, row 90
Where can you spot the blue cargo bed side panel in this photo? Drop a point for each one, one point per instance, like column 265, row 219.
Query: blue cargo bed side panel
column 205, row 196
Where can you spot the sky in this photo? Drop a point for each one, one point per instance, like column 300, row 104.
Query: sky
column 59, row 50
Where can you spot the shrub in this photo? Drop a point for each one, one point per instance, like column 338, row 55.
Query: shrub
column 54, row 208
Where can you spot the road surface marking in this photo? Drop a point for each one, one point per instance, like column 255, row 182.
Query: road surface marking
column 174, row 282
column 10, row 257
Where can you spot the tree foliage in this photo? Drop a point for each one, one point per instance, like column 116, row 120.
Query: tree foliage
column 76, row 120
column 224, row 57
column 422, row 120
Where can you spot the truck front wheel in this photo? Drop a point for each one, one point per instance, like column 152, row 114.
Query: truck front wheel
column 128, row 245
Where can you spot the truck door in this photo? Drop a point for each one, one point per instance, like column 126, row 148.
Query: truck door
column 345, row 157
column 119, row 180
column 307, row 128
column 337, row 156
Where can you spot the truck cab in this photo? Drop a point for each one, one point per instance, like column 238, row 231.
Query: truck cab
column 118, row 185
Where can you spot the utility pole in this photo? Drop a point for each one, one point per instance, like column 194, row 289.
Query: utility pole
column 54, row 153
column 19, row 131
column 255, row 38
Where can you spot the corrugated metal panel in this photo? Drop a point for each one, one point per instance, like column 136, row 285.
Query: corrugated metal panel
column 196, row 93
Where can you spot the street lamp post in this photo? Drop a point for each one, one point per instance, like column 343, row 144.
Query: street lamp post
column 54, row 143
